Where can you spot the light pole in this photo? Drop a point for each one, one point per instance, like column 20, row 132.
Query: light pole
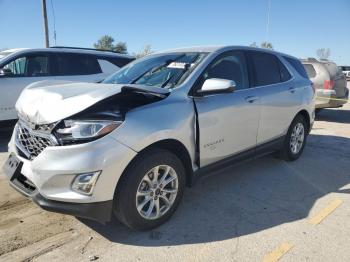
column 46, row 28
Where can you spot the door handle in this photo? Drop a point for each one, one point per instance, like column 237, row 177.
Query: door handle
column 292, row 89
column 251, row 99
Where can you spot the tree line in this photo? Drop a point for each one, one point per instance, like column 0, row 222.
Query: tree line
column 107, row 42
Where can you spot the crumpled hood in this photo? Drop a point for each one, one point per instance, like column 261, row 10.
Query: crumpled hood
column 46, row 102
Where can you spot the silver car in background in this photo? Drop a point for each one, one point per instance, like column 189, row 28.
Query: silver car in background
column 128, row 146
column 329, row 83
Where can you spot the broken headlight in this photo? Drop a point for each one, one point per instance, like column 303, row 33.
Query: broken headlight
column 74, row 131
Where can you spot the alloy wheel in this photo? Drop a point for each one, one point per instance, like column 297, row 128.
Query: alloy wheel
column 157, row 192
column 297, row 138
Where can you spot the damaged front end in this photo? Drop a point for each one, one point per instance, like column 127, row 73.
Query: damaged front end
column 103, row 117
column 91, row 123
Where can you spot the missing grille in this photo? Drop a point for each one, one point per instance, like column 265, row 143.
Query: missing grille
column 31, row 143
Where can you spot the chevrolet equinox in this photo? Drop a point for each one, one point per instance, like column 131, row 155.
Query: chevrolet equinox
column 130, row 145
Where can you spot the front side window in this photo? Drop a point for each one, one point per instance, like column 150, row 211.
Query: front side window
column 266, row 68
column 230, row 66
column 161, row 70
column 28, row 66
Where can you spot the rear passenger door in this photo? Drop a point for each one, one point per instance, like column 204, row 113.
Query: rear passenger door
column 279, row 97
column 77, row 67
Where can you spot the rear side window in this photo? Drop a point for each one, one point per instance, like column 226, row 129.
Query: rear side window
column 266, row 69
column 297, row 65
column 76, row 64
column 310, row 70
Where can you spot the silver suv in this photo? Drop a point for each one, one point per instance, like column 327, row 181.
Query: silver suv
column 329, row 83
column 130, row 145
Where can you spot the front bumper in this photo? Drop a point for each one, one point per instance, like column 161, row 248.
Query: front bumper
column 98, row 211
column 52, row 172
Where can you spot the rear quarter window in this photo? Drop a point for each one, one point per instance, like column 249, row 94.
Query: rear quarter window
column 118, row 61
column 297, row 65
column 310, row 70
column 285, row 75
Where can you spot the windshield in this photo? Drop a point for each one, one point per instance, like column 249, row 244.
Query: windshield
column 162, row 70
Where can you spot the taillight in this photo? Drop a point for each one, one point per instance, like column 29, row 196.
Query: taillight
column 328, row 84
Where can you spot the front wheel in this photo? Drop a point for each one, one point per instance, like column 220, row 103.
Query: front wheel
column 150, row 190
column 295, row 139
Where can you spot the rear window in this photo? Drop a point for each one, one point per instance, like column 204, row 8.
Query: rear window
column 310, row 70
column 76, row 64
column 297, row 65
column 266, row 68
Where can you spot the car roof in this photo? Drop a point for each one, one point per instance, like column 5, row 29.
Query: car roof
column 12, row 50
column 311, row 60
column 221, row 48
column 68, row 50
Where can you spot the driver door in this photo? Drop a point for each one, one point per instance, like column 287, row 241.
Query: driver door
column 228, row 122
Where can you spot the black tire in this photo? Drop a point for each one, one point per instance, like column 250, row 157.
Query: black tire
column 286, row 152
column 125, row 196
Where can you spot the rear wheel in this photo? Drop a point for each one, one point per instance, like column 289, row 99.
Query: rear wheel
column 150, row 190
column 295, row 139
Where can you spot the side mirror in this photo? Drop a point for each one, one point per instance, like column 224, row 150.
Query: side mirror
column 5, row 72
column 217, row 85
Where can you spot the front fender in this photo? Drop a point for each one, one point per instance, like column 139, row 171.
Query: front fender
column 167, row 119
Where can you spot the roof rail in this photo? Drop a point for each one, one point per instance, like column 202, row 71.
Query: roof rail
column 312, row 59
column 85, row 48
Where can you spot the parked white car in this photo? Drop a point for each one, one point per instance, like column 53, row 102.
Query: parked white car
column 21, row 67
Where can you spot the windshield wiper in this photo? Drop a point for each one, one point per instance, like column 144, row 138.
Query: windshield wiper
column 186, row 67
column 167, row 62
column 184, row 70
